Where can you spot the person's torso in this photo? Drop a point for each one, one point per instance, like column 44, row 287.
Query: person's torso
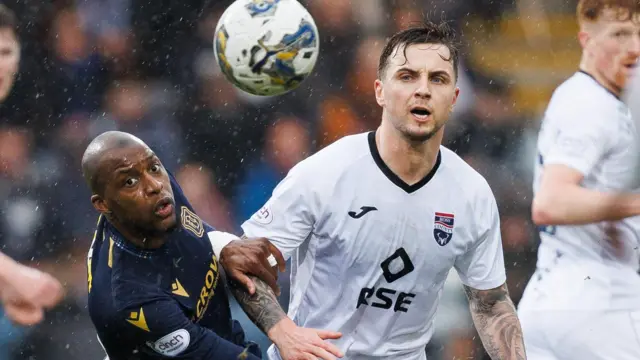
column 583, row 251
column 375, row 263
column 183, row 269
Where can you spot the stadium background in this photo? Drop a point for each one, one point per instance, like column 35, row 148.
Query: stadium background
column 147, row 67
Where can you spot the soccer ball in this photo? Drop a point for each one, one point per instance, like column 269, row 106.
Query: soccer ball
column 266, row 47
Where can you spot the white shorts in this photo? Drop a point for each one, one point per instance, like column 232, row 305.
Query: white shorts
column 560, row 322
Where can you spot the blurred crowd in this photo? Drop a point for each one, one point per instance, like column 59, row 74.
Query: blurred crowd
column 147, row 67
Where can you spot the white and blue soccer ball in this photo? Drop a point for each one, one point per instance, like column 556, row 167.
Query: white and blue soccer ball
column 266, row 47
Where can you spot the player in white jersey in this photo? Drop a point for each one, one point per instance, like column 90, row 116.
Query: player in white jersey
column 583, row 302
column 374, row 223
column 632, row 97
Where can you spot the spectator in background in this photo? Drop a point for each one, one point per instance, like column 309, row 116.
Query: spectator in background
column 199, row 186
column 287, row 143
column 78, row 71
column 126, row 108
column 222, row 130
column 24, row 292
column 352, row 109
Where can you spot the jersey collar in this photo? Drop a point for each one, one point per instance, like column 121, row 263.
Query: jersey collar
column 597, row 82
column 391, row 175
column 120, row 241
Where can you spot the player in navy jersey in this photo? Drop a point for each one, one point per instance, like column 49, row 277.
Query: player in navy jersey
column 156, row 286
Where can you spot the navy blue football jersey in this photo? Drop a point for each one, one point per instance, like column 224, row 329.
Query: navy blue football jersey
column 170, row 302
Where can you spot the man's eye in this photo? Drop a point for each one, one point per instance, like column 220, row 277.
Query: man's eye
column 131, row 182
column 155, row 167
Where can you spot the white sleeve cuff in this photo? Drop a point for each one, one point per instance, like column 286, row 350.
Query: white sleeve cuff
column 219, row 240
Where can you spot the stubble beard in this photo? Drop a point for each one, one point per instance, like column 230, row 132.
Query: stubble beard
column 418, row 138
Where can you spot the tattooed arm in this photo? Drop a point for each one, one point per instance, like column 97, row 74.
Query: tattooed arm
column 294, row 342
column 494, row 316
column 262, row 307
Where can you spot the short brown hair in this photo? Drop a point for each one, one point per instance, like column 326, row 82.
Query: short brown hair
column 592, row 10
column 429, row 32
column 8, row 19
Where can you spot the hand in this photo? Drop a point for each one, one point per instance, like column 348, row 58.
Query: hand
column 26, row 292
column 250, row 257
column 298, row 343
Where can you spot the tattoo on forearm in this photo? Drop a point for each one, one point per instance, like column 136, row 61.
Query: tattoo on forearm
column 262, row 307
column 495, row 318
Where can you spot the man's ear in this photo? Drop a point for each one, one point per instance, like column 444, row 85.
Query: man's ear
column 456, row 93
column 99, row 204
column 378, row 91
column 584, row 37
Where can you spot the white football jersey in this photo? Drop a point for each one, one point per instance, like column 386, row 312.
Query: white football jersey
column 632, row 97
column 588, row 128
column 370, row 253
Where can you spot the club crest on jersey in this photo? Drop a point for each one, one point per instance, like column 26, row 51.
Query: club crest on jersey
column 443, row 228
column 191, row 221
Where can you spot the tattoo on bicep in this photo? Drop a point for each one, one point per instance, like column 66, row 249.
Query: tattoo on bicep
column 497, row 323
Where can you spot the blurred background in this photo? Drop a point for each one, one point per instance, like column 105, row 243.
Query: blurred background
column 147, row 67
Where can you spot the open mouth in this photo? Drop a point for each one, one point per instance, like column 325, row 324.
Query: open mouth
column 420, row 112
column 164, row 207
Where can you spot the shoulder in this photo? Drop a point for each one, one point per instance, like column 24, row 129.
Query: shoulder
column 339, row 154
column 462, row 175
column 328, row 164
column 581, row 98
column 135, row 280
column 470, row 190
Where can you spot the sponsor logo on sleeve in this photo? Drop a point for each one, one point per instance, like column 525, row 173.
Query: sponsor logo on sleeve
column 172, row 344
column 263, row 216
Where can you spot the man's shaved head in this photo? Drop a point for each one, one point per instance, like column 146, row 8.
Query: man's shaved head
column 97, row 149
column 130, row 187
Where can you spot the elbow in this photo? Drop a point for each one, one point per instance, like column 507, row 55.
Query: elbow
column 542, row 213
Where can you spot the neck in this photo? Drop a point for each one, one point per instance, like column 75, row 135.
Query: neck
column 136, row 237
column 410, row 161
column 587, row 66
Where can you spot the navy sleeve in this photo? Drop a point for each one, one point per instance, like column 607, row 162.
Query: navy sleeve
column 161, row 329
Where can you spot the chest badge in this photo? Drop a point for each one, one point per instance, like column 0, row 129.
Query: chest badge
column 191, row 221
column 443, row 228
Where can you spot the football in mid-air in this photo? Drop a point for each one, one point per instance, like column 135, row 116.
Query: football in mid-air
column 266, row 47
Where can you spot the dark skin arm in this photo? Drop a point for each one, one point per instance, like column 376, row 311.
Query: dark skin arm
column 247, row 259
column 496, row 321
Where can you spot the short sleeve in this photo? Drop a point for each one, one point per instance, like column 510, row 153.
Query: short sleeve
column 288, row 217
column 582, row 135
column 482, row 266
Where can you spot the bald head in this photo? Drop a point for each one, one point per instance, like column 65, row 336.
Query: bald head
column 94, row 155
